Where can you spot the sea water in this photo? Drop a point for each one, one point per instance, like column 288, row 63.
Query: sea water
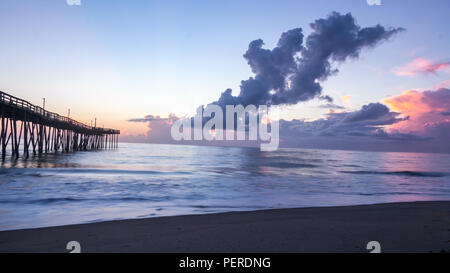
column 150, row 180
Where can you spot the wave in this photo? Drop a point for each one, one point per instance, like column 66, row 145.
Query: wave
column 288, row 165
column 42, row 171
column 71, row 199
column 404, row 173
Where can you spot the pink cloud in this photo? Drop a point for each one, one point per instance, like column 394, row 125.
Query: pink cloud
column 444, row 84
column 425, row 110
column 421, row 66
column 157, row 129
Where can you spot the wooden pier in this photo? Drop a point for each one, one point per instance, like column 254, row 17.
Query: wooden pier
column 39, row 131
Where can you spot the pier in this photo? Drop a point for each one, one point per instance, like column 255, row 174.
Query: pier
column 39, row 131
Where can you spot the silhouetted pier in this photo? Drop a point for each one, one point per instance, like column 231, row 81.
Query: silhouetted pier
column 42, row 131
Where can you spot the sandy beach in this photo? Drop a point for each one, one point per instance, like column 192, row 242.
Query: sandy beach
column 399, row 227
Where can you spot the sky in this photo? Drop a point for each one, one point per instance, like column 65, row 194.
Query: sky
column 118, row 60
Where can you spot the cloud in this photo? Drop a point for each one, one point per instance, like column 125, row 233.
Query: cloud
column 444, row 84
column 367, row 121
column 425, row 110
column 332, row 106
column 292, row 71
column 372, row 111
column 412, row 121
column 158, row 129
column 421, row 66
column 73, row 2
column 147, row 118
column 373, row 2
column 369, row 128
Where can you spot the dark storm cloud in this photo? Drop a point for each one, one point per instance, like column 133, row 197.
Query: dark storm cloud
column 144, row 119
column 372, row 111
column 326, row 98
column 292, row 72
column 332, row 106
column 364, row 122
column 151, row 118
column 381, row 134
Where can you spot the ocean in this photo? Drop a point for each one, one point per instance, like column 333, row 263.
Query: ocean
column 151, row 180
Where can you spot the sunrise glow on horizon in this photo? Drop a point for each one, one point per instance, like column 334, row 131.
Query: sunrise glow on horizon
column 120, row 60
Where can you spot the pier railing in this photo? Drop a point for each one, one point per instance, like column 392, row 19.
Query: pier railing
column 24, row 105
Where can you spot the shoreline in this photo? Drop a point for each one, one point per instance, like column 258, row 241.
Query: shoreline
column 399, row 227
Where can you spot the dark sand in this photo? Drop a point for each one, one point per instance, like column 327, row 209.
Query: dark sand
column 399, row 227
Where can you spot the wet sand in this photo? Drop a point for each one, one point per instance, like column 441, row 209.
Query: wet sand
column 398, row 227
